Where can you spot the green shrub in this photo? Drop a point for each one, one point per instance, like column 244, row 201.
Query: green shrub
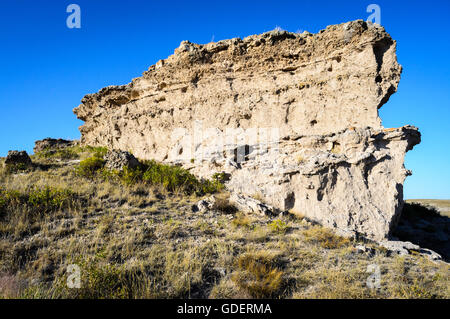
column 97, row 282
column 49, row 199
column 107, row 282
column 90, row 166
column 278, row 226
column 37, row 200
column 130, row 176
column 96, row 151
column 22, row 212
column 171, row 178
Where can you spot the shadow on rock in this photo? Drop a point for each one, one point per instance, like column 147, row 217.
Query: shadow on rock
column 424, row 226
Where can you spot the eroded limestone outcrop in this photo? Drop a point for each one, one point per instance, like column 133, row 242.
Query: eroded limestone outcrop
column 290, row 117
column 18, row 158
column 52, row 144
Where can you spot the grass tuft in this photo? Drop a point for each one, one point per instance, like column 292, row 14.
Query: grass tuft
column 325, row 238
column 259, row 275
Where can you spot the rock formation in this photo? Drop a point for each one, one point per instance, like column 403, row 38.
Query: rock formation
column 292, row 118
column 52, row 144
column 18, row 158
column 117, row 160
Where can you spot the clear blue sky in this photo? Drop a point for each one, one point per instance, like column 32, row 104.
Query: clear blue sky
column 46, row 68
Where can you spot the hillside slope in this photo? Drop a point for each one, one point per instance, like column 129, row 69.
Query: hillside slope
column 133, row 238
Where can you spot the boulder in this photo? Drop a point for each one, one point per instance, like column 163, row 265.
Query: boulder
column 204, row 205
column 52, row 144
column 290, row 117
column 117, row 160
column 248, row 204
column 18, row 158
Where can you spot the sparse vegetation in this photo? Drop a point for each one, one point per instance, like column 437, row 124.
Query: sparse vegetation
column 278, row 226
column 222, row 203
column 19, row 211
column 142, row 240
column 68, row 153
column 258, row 274
column 241, row 220
column 16, row 168
column 90, row 167
column 171, row 178
column 325, row 238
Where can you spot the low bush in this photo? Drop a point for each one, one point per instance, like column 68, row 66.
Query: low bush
column 102, row 282
column 90, row 167
column 49, row 199
column 278, row 226
column 40, row 200
column 96, row 151
column 171, row 178
column 96, row 282
column 20, row 210
column 175, row 178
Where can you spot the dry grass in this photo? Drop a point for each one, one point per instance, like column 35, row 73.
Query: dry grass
column 325, row 238
column 142, row 241
column 242, row 220
column 258, row 275
column 222, row 203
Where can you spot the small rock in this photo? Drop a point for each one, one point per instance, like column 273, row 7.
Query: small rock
column 399, row 247
column 204, row 204
column 250, row 205
column 361, row 249
column 117, row 160
column 430, row 254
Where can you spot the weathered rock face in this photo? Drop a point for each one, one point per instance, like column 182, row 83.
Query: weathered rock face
column 18, row 158
column 52, row 144
column 117, row 160
column 290, row 117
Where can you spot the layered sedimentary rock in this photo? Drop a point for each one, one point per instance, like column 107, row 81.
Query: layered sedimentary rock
column 290, row 117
